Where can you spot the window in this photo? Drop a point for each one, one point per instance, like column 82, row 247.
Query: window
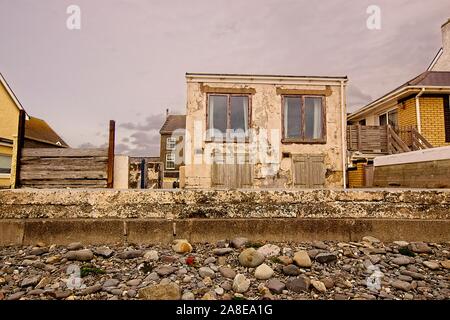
column 170, row 143
column 228, row 116
column 390, row 118
column 393, row 118
column 362, row 122
column 383, row 119
column 303, row 119
column 5, row 163
column 170, row 161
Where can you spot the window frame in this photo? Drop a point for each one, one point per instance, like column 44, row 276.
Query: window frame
column 171, row 154
column 302, row 139
column 174, row 140
column 10, row 164
column 227, row 137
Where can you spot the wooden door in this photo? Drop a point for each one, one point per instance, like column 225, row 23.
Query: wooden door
column 308, row 171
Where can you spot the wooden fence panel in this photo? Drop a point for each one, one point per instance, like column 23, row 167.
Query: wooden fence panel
column 64, row 168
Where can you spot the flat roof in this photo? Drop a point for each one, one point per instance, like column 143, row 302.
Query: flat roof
column 194, row 74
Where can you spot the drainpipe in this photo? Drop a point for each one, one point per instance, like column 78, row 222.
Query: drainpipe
column 344, row 145
column 419, row 127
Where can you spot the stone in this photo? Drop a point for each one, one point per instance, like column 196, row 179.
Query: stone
column 227, row 272
column 446, row 264
column 414, row 275
column 222, row 251
column 206, row 272
column 130, row 254
column 90, row 290
column 43, row 282
column 151, row 255
column 285, row 260
column 263, row 272
column 188, row 296
column 168, row 259
column 370, row 239
column 401, row 243
column 165, row 270
column 16, row 296
column 53, row 259
column 328, row 282
column 276, row 285
column 209, row 296
column 169, row 291
column 301, row 258
column 251, row 258
column 181, row 246
column 300, row 284
column 209, row 260
column 60, row 294
column 240, row 283
column 319, row 286
column 419, row 247
column 30, row 282
column 110, row 283
column 401, row 285
column 291, row 270
column 104, row 252
column 134, row 282
column 319, row 245
column 401, row 261
column 74, row 246
column 326, row 257
column 152, row 277
column 313, row 253
column 269, row 250
column 38, row 251
column 433, row 265
column 238, row 242
column 220, row 291
column 79, row 255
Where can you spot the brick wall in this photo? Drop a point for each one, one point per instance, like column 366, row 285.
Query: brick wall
column 356, row 176
column 432, row 118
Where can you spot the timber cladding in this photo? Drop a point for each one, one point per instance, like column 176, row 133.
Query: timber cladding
column 427, row 174
column 63, row 168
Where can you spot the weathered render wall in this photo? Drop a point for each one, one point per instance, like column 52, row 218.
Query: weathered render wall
column 266, row 114
column 182, row 204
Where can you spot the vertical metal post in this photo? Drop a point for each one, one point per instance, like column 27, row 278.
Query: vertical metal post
column 20, row 144
column 143, row 174
column 111, row 142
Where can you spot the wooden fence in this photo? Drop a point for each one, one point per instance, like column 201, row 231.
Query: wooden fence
column 67, row 167
column 385, row 139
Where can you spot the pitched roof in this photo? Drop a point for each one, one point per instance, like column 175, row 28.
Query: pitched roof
column 173, row 122
column 10, row 92
column 425, row 79
column 430, row 78
column 39, row 130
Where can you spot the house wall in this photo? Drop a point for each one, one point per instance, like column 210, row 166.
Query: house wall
column 431, row 118
column 265, row 113
column 9, row 121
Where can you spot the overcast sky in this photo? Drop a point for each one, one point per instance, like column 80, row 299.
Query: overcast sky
column 128, row 60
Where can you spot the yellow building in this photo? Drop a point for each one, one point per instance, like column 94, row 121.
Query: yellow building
column 9, row 124
column 37, row 133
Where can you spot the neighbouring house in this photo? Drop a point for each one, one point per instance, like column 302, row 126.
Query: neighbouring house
column 264, row 131
column 414, row 116
column 37, row 133
column 171, row 150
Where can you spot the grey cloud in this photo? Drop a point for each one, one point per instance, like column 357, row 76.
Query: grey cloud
column 153, row 122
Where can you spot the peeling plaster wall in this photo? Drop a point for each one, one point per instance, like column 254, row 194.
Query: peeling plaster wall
column 266, row 114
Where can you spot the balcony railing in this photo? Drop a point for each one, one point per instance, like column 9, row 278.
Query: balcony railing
column 384, row 139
